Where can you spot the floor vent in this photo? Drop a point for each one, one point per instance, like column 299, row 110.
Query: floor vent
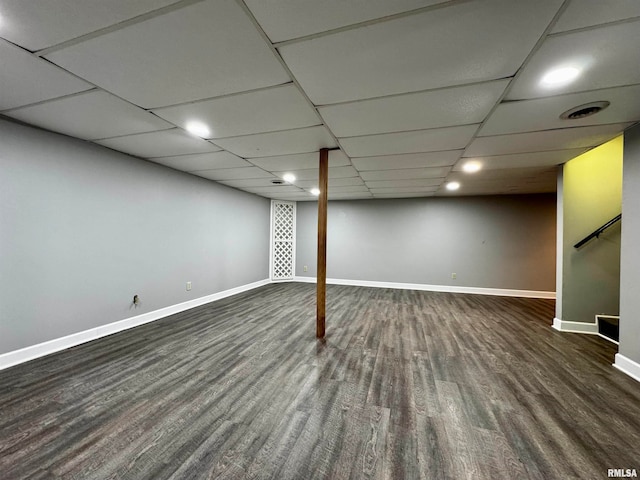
column 609, row 327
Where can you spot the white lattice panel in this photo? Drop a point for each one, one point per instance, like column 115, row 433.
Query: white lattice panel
column 282, row 240
column 283, row 264
column 283, row 222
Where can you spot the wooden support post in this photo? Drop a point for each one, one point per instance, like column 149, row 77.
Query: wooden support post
column 322, row 243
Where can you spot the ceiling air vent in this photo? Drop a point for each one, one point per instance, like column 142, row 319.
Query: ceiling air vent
column 585, row 110
column 278, row 182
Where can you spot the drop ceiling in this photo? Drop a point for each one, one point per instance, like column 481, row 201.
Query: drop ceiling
column 404, row 92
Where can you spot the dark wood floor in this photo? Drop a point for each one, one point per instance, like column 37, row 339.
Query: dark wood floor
column 408, row 385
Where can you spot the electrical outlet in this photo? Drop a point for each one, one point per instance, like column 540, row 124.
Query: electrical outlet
column 304, row 269
column 453, row 275
column 188, row 286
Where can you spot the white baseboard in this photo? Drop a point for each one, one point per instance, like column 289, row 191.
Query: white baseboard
column 582, row 327
column 434, row 288
column 32, row 352
column 628, row 366
column 575, row 327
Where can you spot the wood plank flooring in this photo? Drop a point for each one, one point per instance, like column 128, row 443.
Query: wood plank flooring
column 407, row 385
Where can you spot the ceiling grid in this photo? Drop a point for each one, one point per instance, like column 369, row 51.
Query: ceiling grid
column 406, row 92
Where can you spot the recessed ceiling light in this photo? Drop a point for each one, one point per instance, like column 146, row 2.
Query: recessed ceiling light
column 198, row 129
column 472, row 167
column 453, row 186
column 289, row 177
column 559, row 77
column 315, row 191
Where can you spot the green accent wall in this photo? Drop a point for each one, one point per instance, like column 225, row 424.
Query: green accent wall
column 591, row 196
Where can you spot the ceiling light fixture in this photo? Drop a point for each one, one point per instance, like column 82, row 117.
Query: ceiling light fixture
column 451, row 186
column 315, row 191
column 472, row 167
column 289, row 177
column 559, row 77
column 198, row 129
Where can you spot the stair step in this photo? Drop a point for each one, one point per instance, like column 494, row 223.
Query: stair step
column 609, row 326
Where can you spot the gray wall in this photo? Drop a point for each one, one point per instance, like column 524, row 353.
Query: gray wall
column 559, row 242
column 630, row 270
column 84, row 228
column 492, row 242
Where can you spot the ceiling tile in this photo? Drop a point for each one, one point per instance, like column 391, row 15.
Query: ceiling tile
column 514, row 180
column 279, row 108
column 233, row 173
column 405, row 174
column 284, row 19
column 312, row 173
column 604, row 54
column 302, row 140
column 547, row 140
column 433, row 140
column 415, row 111
column 274, row 189
column 349, row 196
column 535, row 174
column 404, row 190
column 37, row 24
column 251, row 182
column 303, row 197
column 391, row 57
column 544, row 113
column 151, row 65
column 165, row 143
column 498, row 190
column 299, row 161
column 334, row 182
column 298, row 194
column 403, row 195
column 585, row 13
column 407, row 160
column 291, row 195
column 90, row 115
column 422, row 182
column 27, row 79
column 524, row 160
column 202, row 161
column 349, row 189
